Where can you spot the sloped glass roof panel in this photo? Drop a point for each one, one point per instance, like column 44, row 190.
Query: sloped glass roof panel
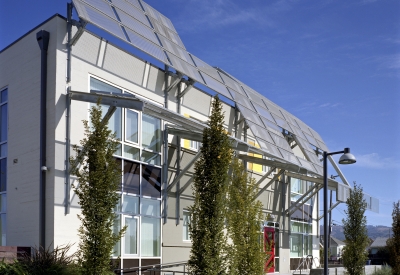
column 132, row 10
column 319, row 169
column 176, row 50
column 147, row 46
column 216, row 86
column 303, row 143
column 249, row 115
column 282, row 123
column 102, row 6
column 243, row 101
column 205, row 68
column 231, row 83
column 273, row 108
column 137, row 27
column 167, row 33
column 289, row 117
column 185, row 68
column 270, row 148
column 99, row 19
column 311, row 139
column 289, row 156
column 158, row 16
column 322, row 145
column 315, row 134
column 263, row 112
column 253, row 95
column 299, row 133
column 303, row 127
column 281, row 142
column 306, row 164
column 260, row 132
column 313, row 157
column 272, row 127
column 135, row 3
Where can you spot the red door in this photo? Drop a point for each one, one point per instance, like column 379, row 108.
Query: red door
column 269, row 238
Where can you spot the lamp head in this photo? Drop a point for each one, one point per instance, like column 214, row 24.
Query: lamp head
column 347, row 157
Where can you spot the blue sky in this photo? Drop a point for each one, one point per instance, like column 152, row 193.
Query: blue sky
column 333, row 64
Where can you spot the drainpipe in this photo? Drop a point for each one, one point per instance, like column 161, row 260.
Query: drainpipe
column 42, row 38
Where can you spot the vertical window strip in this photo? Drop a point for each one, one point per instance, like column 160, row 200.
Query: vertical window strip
column 3, row 164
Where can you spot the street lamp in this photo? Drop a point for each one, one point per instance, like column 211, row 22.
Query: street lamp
column 346, row 158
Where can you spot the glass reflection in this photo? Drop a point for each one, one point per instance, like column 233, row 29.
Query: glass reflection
column 151, row 181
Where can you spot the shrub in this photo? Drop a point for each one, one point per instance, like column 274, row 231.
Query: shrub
column 385, row 270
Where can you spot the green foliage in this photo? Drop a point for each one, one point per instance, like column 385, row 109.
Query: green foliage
column 246, row 255
column 384, row 270
column 355, row 231
column 14, row 268
column 393, row 244
column 49, row 261
column 43, row 261
column 208, row 253
column 99, row 178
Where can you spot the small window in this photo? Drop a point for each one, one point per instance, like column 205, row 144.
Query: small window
column 186, row 222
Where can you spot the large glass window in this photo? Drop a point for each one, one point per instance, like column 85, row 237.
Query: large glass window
column 139, row 157
column 301, row 219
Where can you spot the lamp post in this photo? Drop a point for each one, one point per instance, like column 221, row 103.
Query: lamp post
column 346, row 158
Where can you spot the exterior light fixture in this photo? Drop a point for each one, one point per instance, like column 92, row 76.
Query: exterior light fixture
column 346, row 158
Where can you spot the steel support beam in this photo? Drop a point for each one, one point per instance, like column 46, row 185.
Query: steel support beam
column 320, row 186
column 301, row 199
column 329, row 211
column 186, row 185
column 266, row 175
column 188, row 87
column 175, row 82
column 269, row 183
column 183, row 171
column 165, row 175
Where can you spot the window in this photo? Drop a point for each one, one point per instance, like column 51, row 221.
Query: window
column 301, row 219
column 3, row 164
column 139, row 157
column 186, row 222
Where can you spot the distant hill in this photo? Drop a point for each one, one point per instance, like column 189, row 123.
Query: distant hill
column 373, row 231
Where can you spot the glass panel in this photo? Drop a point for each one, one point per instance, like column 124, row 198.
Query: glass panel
column 130, row 204
column 277, row 243
column 297, row 227
column 131, row 126
column 3, row 175
column 151, row 133
column 307, row 245
column 98, row 85
column 116, row 229
column 307, row 228
column 118, row 152
column 150, row 207
column 151, row 158
column 131, row 152
column 131, row 235
column 4, row 126
column 296, row 245
column 249, row 115
column 296, row 185
column 185, row 224
column 151, row 181
column 3, row 150
column 4, row 96
column 131, row 177
column 150, row 237
column 3, row 229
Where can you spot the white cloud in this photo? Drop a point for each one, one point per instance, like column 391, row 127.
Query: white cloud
column 375, row 161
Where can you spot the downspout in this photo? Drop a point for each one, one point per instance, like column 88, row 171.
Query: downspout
column 68, row 111
column 42, row 38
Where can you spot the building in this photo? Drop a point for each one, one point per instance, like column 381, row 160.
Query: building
column 51, row 75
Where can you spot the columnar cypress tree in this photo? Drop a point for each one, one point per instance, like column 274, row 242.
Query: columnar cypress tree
column 208, row 256
column 393, row 243
column 246, row 256
column 99, row 178
column 355, row 232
